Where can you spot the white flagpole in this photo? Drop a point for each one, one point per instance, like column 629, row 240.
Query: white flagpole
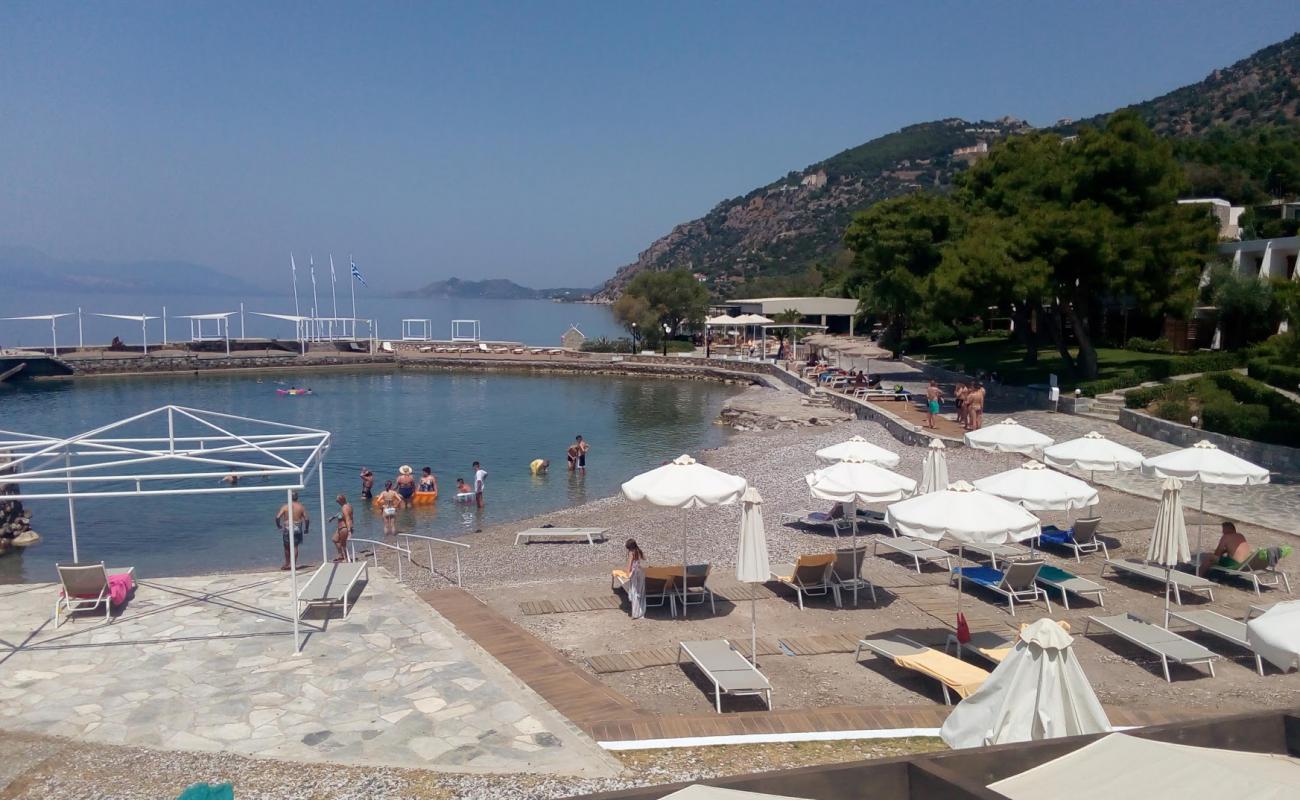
column 353, row 280
column 315, row 304
column 81, row 339
column 334, row 287
column 294, row 269
column 241, row 320
column 164, row 326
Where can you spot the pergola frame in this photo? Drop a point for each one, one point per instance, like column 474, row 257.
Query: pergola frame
column 97, row 463
column 457, row 325
column 417, row 330
column 221, row 320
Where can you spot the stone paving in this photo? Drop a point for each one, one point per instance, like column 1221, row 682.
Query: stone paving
column 207, row 664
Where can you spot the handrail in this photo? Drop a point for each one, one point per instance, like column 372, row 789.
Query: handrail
column 429, row 540
column 352, row 551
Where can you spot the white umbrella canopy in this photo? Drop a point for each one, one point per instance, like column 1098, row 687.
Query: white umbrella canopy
column 855, row 480
column 1038, row 488
column 1008, row 436
column 1038, row 692
column 1168, row 546
column 752, row 563
column 1092, row 452
column 1206, row 463
column 858, row 449
column 934, row 473
column 752, row 319
column 964, row 514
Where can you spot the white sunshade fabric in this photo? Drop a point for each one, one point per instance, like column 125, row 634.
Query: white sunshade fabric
column 752, row 319
column 702, row 792
column 1093, row 452
column 129, row 317
column 1127, row 766
column 1276, row 635
column 964, row 514
column 752, row 563
column 1039, row 691
column 1168, row 546
column 1038, row 488
column 685, row 483
column 858, row 449
column 721, row 320
column 1206, row 463
column 221, row 315
column 858, row 481
column 40, row 317
column 1008, row 436
column 934, row 472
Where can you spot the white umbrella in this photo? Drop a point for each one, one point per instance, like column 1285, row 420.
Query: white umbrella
column 852, row 481
column 858, row 449
column 1008, row 436
column 1038, row 692
column 1206, row 463
column 1092, row 452
column 1276, row 635
column 752, row 564
column 1038, row 488
column 1168, row 546
column 934, row 474
column 684, row 483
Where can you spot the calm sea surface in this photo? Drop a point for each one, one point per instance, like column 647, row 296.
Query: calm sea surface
column 378, row 419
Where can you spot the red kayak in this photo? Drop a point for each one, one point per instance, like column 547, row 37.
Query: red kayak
column 293, row 392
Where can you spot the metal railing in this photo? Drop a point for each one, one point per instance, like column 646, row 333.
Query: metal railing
column 428, row 543
column 352, row 551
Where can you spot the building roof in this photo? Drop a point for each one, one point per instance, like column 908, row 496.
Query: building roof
column 808, row 306
column 1260, row 245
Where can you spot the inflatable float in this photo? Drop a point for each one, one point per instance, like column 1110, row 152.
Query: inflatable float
column 417, row 499
column 293, row 392
column 464, row 497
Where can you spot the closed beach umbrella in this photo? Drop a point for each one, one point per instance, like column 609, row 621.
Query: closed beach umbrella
column 934, row 473
column 858, row 449
column 1038, row 488
column 1206, row 463
column 685, row 483
column 1038, row 692
column 1093, row 452
column 1008, row 436
column 752, row 564
column 1168, row 546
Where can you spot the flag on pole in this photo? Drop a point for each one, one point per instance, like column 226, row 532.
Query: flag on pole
column 356, row 273
column 333, row 279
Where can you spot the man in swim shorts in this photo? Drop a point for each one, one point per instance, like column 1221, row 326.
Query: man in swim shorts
column 577, row 455
column 389, row 500
column 538, row 466
column 1232, row 551
column 405, row 485
column 367, row 484
column 344, row 530
column 932, row 397
column 292, row 518
column 480, row 478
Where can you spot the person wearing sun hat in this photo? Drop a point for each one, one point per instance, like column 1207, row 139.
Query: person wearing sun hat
column 405, row 484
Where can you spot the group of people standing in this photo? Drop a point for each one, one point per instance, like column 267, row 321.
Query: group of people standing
column 400, row 492
column 970, row 404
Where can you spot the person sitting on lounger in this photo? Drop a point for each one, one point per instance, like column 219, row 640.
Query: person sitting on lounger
column 1232, row 551
column 836, row 512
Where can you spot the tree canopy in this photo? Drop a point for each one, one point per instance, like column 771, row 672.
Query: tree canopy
column 655, row 299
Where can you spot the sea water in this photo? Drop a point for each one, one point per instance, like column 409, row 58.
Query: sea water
column 379, row 418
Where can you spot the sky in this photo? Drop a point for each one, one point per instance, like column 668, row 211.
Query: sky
column 546, row 142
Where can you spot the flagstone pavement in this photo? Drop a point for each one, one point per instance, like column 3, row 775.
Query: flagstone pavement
column 207, row 664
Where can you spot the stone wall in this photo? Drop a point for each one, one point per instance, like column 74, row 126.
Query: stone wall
column 138, row 365
column 1275, row 457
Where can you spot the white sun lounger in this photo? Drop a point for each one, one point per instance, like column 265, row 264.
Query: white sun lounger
column 1217, row 625
column 916, row 549
column 1164, row 643
column 1258, row 576
column 995, row 551
column 85, row 586
column 561, row 534
column 1068, row 583
column 1179, row 581
column 951, row 673
column 332, row 584
column 729, row 671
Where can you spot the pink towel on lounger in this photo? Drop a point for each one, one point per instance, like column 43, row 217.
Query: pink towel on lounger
column 118, row 588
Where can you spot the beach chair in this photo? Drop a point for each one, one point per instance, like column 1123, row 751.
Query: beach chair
column 1082, row 538
column 1161, row 642
column 1016, row 582
column 660, row 585
column 1219, row 626
column 846, row 572
column 918, row 551
column 995, row 551
column 985, row 644
column 1256, row 569
column 1179, row 581
column 83, row 587
column 697, row 576
column 814, row 519
column 387, row 347
column 953, row 674
column 728, row 670
column 1067, row 583
column 1255, row 611
column 811, row 575
column 332, row 584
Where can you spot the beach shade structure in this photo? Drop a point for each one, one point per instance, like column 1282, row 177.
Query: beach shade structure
column 1094, row 453
column 858, row 449
column 685, row 483
column 143, row 319
column 934, row 472
column 1205, row 463
column 53, row 319
column 1037, row 488
column 1168, row 546
column 1037, row 692
column 1008, row 436
column 301, row 326
column 752, row 563
column 854, row 481
column 219, row 331
column 699, row 791
column 1275, row 635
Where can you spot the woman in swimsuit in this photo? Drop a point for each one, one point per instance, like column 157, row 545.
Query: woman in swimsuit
column 389, row 501
column 428, row 483
column 405, row 485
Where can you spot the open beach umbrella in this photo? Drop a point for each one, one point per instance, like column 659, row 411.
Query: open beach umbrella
column 1038, row 488
column 1206, row 463
column 1276, row 635
column 1168, row 546
column 685, row 483
column 858, row 449
column 1038, row 692
column 852, row 481
column 934, row 473
column 1008, row 436
column 1092, row 452
column 752, row 563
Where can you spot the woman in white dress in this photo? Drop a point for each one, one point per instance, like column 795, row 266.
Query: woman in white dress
column 636, row 583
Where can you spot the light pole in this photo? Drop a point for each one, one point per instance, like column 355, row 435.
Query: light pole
column 667, row 330
column 634, row 350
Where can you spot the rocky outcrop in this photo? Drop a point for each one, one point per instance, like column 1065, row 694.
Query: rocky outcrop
column 760, row 408
column 15, row 521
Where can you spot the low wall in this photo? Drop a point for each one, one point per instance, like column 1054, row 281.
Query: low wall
column 1275, row 457
column 138, row 365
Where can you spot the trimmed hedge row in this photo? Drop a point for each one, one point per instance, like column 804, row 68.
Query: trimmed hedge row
column 1270, row 371
column 1230, row 404
column 1160, row 368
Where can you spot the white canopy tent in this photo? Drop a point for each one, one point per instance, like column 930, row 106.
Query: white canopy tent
column 301, row 326
column 1007, row 436
column 143, row 319
column 53, row 319
column 172, row 451
column 218, row 333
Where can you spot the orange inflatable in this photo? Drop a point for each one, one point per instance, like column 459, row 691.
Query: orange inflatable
column 418, row 499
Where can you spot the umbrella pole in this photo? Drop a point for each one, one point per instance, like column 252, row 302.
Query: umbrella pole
column 858, row 576
column 1200, row 523
column 1168, row 570
column 753, row 630
column 685, row 568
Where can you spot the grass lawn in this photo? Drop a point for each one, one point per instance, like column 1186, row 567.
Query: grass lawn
column 1003, row 356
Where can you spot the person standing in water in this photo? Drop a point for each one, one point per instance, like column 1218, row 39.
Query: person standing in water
column 389, row 500
column 292, row 520
column 428, row 483
column 405, row 485
column 577, row 455
column 480, row 479
column 344, row 530
column 367, row 484
column 538, row 466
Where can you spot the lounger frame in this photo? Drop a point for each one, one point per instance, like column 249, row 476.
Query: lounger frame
column 68, row 604
column 1207, row 660
column 358, row 569
column 1096, row 588
column 1139, row 569
column 1258, row 577
column 1026, row 594
column 1089, row 544
column 718, row 692
column 562, row 534
column 932, row 555
column 1196, row 620
column 823, row 586
column 869, row 644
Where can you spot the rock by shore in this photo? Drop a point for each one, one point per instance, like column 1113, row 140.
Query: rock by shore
column 761, row 408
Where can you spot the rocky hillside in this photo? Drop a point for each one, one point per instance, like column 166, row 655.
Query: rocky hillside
column 781, row 228
column 494, row 289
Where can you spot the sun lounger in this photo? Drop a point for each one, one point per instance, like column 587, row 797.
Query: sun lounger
column 986, row 644
column 728, row 670
column 847, row 573
column 1014, row 583
column 811, row 575
column 871, row 516
column 1162, row 642
column 697, row 577
column 1082, row 538
column 1215, row 624
column 561, row 534
column 1255, row 611
column 1178, row 581
column 1067, row 582
column 914, row 548
column 995, row 551
column 951, row 673
column 85, row 586
column 814, row 519
column 1257, row 571
column 660, row 585
column 332, row 584
column 387, row 347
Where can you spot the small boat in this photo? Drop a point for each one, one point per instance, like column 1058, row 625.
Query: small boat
column 293, row 392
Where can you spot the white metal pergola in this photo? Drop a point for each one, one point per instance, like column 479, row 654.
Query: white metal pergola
column 173, row 451
column 219, row 331
column 465, row 330
column 301, row 326
column 417, row 330
column 143, row 319
column 53, row 319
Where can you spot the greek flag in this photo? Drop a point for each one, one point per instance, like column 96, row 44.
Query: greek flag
column 356, row 273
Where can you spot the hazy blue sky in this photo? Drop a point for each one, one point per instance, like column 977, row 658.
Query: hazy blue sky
column 547, row 142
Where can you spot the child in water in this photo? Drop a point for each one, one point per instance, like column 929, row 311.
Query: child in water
column 464, row 494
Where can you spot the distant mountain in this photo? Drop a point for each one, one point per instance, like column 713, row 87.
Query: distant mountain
column 23, row 268
column 783, row 227
column 495, row 289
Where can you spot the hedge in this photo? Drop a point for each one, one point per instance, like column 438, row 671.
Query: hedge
column 1230, row 404
column 1269, row 371
column 1140, row 345
column 1160, row 368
